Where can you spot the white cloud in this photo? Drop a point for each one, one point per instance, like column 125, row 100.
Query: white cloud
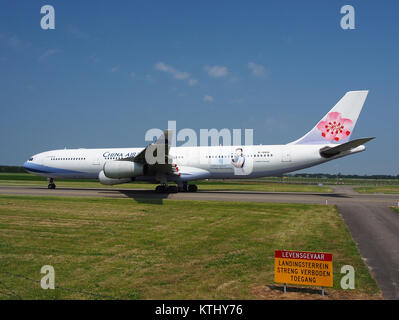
column 149, row 78
column 114, row 69
column 238, row 101
column 208, row 98
column 76, row 32
column 163, row 67
column 216, row 71
column 14, row 41
column 234, row 79
column 257, row 69
column 177, row 74
column 48, row 53
column 181, row 75
column 94, row 58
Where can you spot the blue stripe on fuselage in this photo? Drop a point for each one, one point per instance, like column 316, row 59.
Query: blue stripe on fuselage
column 33, row 167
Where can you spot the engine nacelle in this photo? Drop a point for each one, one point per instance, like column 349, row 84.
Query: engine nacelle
column 110, row 182
column 191, row 173
column 122, row 169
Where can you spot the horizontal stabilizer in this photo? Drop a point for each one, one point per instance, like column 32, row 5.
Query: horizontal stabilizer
column 328, row 152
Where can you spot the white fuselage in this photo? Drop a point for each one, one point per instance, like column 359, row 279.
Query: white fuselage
column 194, row 162
column 328, row 140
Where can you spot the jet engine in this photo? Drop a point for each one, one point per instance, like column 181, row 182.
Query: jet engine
column 110, row 182
column 122, row 169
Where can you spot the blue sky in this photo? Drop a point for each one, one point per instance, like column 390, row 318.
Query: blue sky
column 112, row 70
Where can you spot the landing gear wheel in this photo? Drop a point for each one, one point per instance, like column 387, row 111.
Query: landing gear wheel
column 192, row 188
column 183, row 187
column 51, row 184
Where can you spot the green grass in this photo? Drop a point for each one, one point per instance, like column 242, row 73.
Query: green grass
column 333, row 181
column 124, row 249
column 378, row 189
column 20, row 176
column 396, row 209
column 21, row 179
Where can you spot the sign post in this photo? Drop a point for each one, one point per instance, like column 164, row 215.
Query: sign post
column 303, row 268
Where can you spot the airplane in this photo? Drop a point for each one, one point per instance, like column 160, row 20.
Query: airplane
column 328, row 140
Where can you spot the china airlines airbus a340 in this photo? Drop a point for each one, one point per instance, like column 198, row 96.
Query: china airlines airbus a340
column 328, row 140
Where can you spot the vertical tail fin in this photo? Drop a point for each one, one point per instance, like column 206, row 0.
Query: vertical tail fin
column 338, row 124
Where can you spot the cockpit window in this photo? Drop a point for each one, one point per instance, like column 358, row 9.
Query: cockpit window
column 30, row 159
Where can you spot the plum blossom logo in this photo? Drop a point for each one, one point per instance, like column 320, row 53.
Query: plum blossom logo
column 335, row 127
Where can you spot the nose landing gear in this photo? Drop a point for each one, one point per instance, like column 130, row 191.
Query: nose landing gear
column 51, row 184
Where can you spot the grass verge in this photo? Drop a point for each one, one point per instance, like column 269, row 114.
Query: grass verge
column 123, row 249
column 378, row 189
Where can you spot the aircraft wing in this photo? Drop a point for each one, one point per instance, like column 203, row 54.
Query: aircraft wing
column 149, row 156
column 328, row 152
column 162, row 144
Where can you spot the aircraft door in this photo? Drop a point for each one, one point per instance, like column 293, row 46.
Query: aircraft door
column 96, row 161
column 286, row 155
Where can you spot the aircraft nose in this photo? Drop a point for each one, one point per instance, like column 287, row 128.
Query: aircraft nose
column 26, row 165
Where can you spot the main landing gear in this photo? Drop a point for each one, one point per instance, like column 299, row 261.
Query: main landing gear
column 163, row 188
column 192, row 188
column 185, row 187
column 51, row 184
